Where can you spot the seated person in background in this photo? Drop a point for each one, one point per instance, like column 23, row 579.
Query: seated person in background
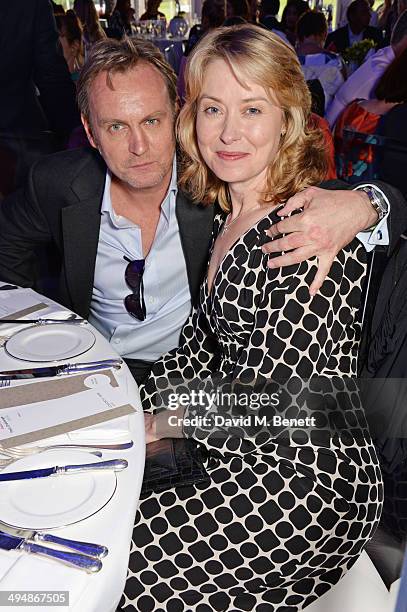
column 92, row 30
column 70, row 37
column 152, row 11
column 264, row 529
column 317, row 62
column 37, row 94
column 358, row 28
column 120, row 21
column 268, row 11
column 361, row 84
column 237, row 11
column 212, row 16
column 359, row 162
column 291, row 14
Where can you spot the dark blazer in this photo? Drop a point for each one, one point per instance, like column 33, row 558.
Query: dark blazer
column 30, row 56
column 339, row 39
column 61, row 204
column 392, row 158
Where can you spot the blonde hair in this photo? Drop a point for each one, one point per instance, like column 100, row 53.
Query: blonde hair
column 254, row 54
column 119, row 56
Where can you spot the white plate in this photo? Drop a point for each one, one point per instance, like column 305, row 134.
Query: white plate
column 50, row 342
column 54, row 501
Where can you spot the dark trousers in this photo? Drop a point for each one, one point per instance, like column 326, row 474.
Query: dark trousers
column 139, row 369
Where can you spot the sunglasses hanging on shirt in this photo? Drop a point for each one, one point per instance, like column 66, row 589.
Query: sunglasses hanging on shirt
column 134, row 302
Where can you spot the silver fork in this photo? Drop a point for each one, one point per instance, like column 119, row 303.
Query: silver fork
column 16, row 452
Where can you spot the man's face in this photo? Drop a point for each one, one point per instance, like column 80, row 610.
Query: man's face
column 132, row 126
column 361, row 17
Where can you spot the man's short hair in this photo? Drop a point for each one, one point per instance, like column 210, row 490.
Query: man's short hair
column 311, row 23
column 118, row 56
column 269, row 7
column 400, row 29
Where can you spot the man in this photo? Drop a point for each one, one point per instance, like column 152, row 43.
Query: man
column 358, row 28
column 268, row 14
column 134, row 249
column 268, row 18
column 31, row 63
column 318, row 63
column 361, row 84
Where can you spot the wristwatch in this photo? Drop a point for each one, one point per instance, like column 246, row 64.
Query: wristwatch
column 377, row 201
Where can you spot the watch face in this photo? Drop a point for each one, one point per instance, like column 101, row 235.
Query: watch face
column 377, row 201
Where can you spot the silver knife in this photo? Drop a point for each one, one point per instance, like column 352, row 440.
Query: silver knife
column 89, row 564
column 87, row 548
column 113, row 464
column 41, row 321
column 61, row 369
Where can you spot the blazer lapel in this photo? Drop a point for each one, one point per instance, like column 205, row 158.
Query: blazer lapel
column 195, row 224
column 80, row 228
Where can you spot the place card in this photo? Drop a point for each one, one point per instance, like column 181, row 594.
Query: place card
column 39, row 410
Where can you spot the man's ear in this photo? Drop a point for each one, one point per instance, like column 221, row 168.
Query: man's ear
column 88, row 131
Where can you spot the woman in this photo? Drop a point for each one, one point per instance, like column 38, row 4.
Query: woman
column 92, row 30
column 120, row 21
column 70, row 37
column 356, row 159
column 285, row 512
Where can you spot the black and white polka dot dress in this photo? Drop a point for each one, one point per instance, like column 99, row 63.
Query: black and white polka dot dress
column 287, row 511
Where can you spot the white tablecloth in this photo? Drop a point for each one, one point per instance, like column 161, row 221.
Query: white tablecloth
column 111, row 526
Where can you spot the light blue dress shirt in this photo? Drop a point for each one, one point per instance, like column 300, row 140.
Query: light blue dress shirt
column 166, row 289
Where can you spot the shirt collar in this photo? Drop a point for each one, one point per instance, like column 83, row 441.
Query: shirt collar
column 167, row 205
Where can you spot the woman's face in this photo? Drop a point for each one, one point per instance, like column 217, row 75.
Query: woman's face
column 238, row 128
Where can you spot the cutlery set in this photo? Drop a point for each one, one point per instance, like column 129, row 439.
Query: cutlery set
column 88, row 563
column 87, row 555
